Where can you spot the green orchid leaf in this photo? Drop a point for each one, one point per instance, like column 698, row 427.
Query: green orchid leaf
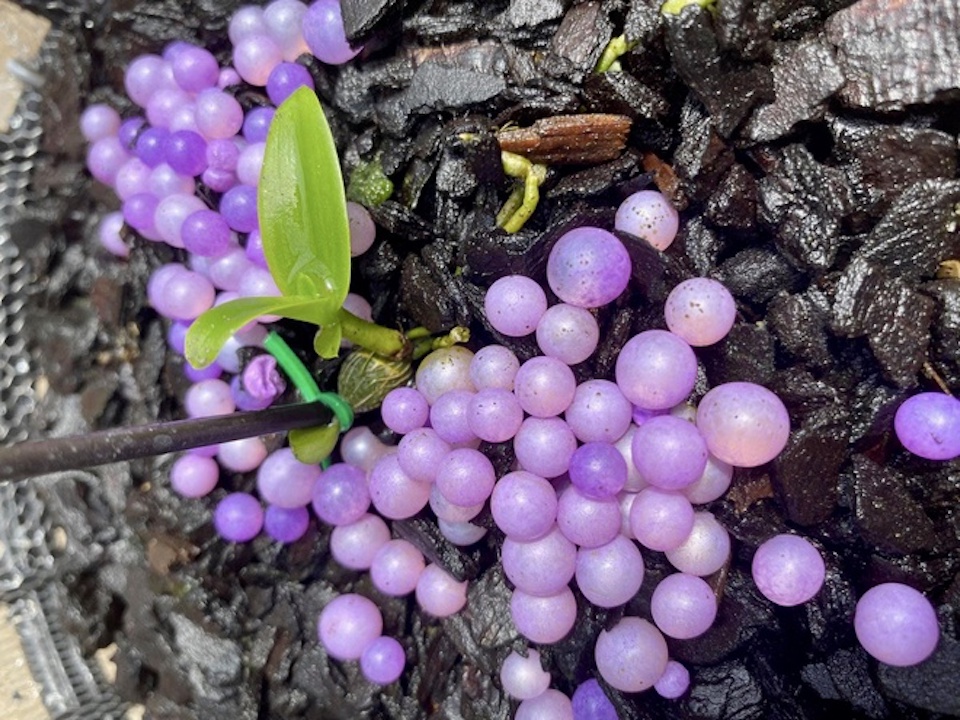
column 301, row 204
column 314, row 445
column 210, row 331
column 326, row 343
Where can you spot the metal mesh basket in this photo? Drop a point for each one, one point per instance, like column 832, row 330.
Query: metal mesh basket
column 43, row 673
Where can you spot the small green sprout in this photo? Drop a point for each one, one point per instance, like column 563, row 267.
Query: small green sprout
column 306, row 241
column 610, row 59
column 523, row 200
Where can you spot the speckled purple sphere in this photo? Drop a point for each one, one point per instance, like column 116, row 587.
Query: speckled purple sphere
column 649, row 215
column 744, row 424
column 788, row 570
column 238, row 517
column 656, row 370
column 347, row 626
column 683, row 606
column 928, row 425
column 632, row 655
column 701, row 311
column 896, row 624
column 588, row 267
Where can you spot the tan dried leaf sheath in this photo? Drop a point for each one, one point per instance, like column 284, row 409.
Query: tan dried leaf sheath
column 569, row 139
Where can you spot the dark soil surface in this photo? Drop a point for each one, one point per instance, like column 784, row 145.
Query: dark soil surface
column 812, row 150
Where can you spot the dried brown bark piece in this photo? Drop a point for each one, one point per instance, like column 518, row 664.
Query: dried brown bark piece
column 569, row 139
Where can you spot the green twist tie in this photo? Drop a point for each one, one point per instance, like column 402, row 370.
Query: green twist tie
column 305, row 384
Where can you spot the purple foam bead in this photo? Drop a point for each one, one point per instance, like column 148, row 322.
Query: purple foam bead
column 284, row 20
column 396, row 568
column 239, row 208
column 138, row 212
column 347, row 625
column 439, row 594
column 151, row 146
column 109, row 234
column 590, row 702
column 341, row 496
column 228, row 77
column 524, row 506
column 706, row 548
column 250, row 163
column 896, row 624
column 540, row 567
column 383, row 661
column 257, row 124
column 744, row 424
column 254, row 57
column 285, row 78
column 669, row 453
column 219, row 180
column 544, row 446
column 611, row 574
column 284, row 481
column 788, row 570
column 194, row 68
column 132, row 178
column 164, row 105
column 395, row 494
column 222, row 154
column 586, row 521
column 164, row 180
column 324, row 34
column 656, row 370
column 544, row 620
column 254, row 251
column 218, row 114
column 238, row 517
column 144, row 76
column 928, row 425
column 404, row 409
column 354, row 545
column 683, row 606
column 99, row 121
column 129, row 129
column 598, row 470
column 674, row 682
column 244, row 401
column 632, row 655
column 261, row 379
column 194, row 476
column 186, row 152
column 661, row 520
column 171, row 213
column 524, row 677
column 286, row 525
column 206, row 233
column 549, row 705
column 105, row 158
column 245, row 22
column 588, row 267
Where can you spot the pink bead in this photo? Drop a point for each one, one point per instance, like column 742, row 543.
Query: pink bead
column 544, row 620
column 395, row 494
column 896, row 624
column 355, row 545
column 524, row 677
column 347, row 625
column 705, row 550
column 324, row 34
column 105, row 158
column 255, row 57
column 283, row 20
column 540, row 567
column 610, row 575
column 743, row 424
column 683, row 606
column 661, row 520
column 788, row 570
column 701, row 311
column 649, row 215
column 439, row 594
column 242, row 455
column 218, row 114
column 632, row 655
column 396, row 568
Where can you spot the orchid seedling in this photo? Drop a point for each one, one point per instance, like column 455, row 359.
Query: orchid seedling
column 306, row 242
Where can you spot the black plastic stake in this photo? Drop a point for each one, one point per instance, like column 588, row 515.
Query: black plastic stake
column 39, row 457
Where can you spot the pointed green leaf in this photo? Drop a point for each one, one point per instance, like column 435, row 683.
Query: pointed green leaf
column 314, row 445
column 326, row 343
column 210, row 331
column 301, row 204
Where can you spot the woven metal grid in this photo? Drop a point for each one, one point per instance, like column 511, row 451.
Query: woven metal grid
column 69, row 687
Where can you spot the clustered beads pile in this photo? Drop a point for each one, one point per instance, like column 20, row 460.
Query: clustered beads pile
column 601, row 465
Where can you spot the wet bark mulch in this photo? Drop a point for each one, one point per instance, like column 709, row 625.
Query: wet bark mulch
column 812, row 150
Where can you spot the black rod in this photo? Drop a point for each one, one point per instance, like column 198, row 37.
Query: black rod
column 39, row 457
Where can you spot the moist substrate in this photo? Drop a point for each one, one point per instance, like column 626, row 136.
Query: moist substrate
column 812, row 150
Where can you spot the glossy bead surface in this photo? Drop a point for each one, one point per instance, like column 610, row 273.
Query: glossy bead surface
column 928, row 425
column 743, row 424
column 347, row 625
column 632, row 655
column 788, row 570
column 896, row 624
